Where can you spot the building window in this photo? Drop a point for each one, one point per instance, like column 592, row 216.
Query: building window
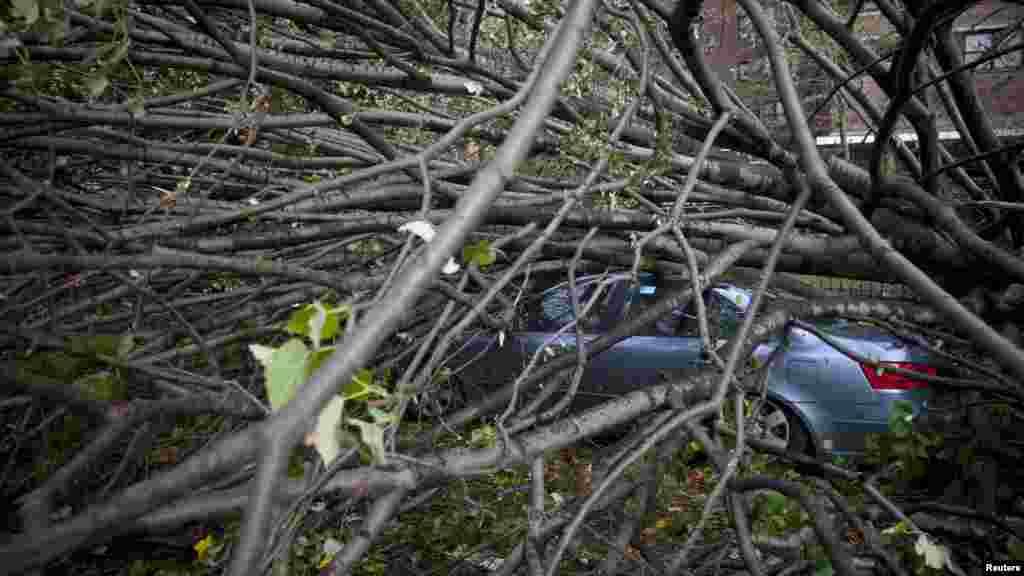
column 979, row 43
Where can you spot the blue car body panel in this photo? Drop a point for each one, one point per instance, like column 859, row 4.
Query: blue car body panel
column 825, row 389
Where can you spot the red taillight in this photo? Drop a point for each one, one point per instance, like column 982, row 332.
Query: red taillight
column 881, row 378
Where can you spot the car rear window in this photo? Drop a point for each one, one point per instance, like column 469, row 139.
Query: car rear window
column 847, row 329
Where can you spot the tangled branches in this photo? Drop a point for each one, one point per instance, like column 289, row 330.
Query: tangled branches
column 221, row 217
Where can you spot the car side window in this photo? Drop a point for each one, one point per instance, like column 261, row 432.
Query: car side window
column 729, row 317
column 640, row 298
column 555, row 307
column 724, row 317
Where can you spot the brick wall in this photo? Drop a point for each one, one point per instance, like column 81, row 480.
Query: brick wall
column 1001, row 90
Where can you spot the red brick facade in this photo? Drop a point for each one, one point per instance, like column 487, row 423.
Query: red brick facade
column 730, row 48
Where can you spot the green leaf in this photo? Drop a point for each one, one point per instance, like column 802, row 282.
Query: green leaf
column 27, row 10
column 823, row 568
column 298, row 322
column 327, row 40
column 317, row 322
column 57, row 365
column 333, row 323
column 372, row 436
column 325, row 437
column 55, row 28
column 899, row 528
column 901, row 417
column 1016, row 549
column 137, row 107
column 97, row 84
column 484, row 437
column 263, row 354
column 101, row 7
column 903, row 407
column 285, row 370
column 935, row 555
column 482, row 253
column 774, row 503
column 97, row 345
column 359, row 385
column 899, row 427
column 102, row 386
column 317, row 359
column 125, row 346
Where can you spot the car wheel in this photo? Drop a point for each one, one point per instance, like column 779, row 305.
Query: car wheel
column 778, row 425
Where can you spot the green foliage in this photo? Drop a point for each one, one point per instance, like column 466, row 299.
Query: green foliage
column 586, row 142
column 64, row 438
column 484, row 437
column 44, row 17
column 285, row 369
column 481, row 253
column 776, row 514
column 919, row 551
column 103, row 386
column 367, row 248
column 775, row 503
column 889, row 41
column 693, row 448
column 908, row 448
column 172, row 79
column 901, row 417
column 1016, row 549
column 317, row 322
column 327, row 434
column 662, row 161
column 290, row 365
column 88, row 79
column 754, row 89
column 545, row 8
column 84, row 364
column 225, row 281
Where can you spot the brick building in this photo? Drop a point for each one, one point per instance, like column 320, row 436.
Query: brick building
column 733, row 49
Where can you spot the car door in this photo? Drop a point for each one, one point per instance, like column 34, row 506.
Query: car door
column 548, row 328
column 668, row 345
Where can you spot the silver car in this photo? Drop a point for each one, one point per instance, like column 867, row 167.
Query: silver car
column 819, row 400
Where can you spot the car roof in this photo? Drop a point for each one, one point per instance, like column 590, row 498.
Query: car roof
column 741, row 297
